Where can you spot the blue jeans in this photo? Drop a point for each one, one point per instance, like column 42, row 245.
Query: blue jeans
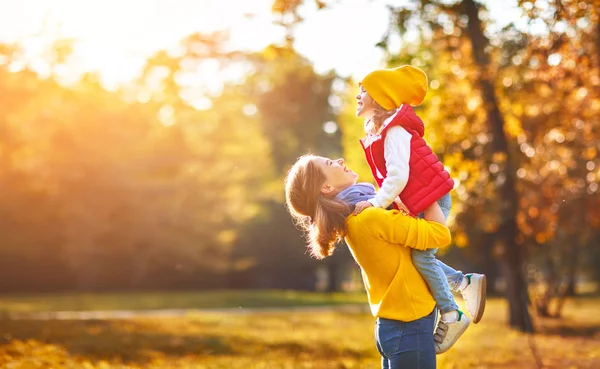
column 439, row 277
column 406, row 345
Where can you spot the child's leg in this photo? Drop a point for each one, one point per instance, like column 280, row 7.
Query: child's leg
column 427, row 265
column 453, row 323
column 473, row 286
column 455, row 277
column 445, row 203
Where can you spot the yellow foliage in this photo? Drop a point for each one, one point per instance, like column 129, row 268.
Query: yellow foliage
column 460, row 239
column 513, row 126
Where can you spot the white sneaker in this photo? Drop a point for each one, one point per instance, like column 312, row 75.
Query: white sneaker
column 446, row 334
column 474, row 295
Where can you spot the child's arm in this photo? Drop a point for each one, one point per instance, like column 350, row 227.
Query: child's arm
column 397, row 157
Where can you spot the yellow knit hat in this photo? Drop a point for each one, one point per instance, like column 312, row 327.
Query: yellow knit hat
column 391, row 88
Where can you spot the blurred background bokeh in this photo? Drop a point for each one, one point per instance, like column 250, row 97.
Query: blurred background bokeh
column 143, row 146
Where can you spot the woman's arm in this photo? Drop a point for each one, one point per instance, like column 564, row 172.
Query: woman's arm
column 396, row 227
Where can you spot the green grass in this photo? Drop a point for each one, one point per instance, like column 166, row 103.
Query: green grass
column 324, row 339
column 172, row 300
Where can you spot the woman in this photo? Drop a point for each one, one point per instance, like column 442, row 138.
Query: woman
column 320, row 195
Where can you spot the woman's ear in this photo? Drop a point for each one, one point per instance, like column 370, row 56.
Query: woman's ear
column 326, row 189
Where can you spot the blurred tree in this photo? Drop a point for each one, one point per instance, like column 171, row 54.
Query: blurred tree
column 30, row 254
column 552, row 84
column 287, row 16
column 511, row 253
column 125, row 193
column 280, row 107
column 170, row 181
column 291, row 103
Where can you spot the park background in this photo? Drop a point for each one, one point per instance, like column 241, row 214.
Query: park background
column 143, row 146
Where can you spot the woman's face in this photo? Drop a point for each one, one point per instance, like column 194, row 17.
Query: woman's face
column 337, row 176
column 365, row 105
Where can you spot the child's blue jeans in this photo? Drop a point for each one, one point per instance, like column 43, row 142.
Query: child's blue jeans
column 439, row 277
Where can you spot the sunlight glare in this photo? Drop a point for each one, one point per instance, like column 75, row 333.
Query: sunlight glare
column 166, row 115
column 330, row 127
column 114, row 38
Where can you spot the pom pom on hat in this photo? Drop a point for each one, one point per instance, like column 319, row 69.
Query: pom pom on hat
column 391, row 88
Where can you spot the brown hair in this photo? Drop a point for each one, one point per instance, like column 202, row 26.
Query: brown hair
column 321, row 217
column 373, row 125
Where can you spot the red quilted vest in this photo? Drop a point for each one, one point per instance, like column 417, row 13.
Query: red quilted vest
column 428, row 181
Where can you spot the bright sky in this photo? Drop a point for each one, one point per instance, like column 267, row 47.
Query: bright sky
column 114, row 37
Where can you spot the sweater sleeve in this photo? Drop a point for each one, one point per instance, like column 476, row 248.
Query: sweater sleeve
column 398, row 228
column 397, row 157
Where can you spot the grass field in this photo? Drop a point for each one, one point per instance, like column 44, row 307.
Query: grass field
column 287, row 340
column 172, row 300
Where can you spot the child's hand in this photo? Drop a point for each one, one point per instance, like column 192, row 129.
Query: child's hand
column 360, row 206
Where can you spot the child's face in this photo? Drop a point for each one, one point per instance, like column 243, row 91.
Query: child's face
column 365, row 104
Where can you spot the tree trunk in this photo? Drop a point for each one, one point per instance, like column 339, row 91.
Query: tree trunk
column 490, row 263
column 550, row 292
column 580, row 210
column 512, row 256
column 573, row 266
column 516, row 285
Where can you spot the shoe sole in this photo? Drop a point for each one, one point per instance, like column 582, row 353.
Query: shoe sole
column 482, row 298
column 460, row 333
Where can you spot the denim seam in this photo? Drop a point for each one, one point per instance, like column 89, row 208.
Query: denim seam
column 378, row 339
column 399, row 342
column 419, row 346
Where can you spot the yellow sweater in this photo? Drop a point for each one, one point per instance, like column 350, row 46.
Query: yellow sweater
column 381, row 241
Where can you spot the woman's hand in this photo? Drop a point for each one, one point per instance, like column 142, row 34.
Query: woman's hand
column 401, row 206
column 360, row 206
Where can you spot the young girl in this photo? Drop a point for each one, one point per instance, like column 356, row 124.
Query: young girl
column 411, row 178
